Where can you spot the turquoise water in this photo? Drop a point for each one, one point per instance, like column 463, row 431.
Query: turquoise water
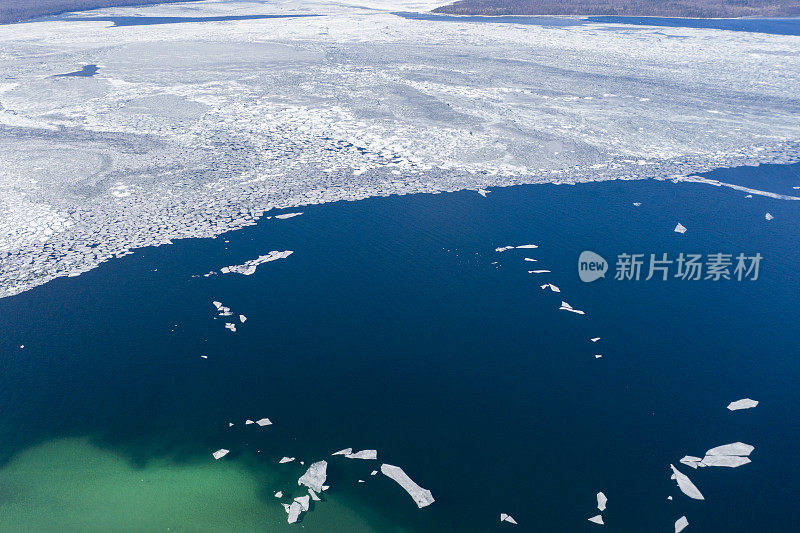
column 391, row 328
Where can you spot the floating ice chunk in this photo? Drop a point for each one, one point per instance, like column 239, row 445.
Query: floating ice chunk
column 601, row 501
column 736, row 448
column 249, row 267
column 744, row 403
column 503, row 248
column 304, row 502
column 279, row 494
column 325, row 487
column 374, row 472
column 421, row 496
column 483, row 192
column 685, row 484
column 264, row 422
column 730, row 461
column 286, row 460
column 346, row 451
column 242, row 318
column 680, row 228
column 507, row 518
column 637, row 204
column 669, row 498
column 527, row 246
column 691, row 461
column 551, row 287
column 248, row 422
column 230, row 424
column 595, row 339
column 231, row 326
column 314, row 495
column 204, row 356
column 748, row 196
column 597, row 356
column 218, row 305
column 680, row 524
column 363, row 454
column 219, row 454
column 768, row 216
column 288, row 215
column 531, row 259
column 538, row 271
column 315, row 476
column 566, row 307
column 361, row 481
column 597, row 519
column 294, row 511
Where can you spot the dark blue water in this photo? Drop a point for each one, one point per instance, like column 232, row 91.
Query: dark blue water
column 776, row 26
column 389, row 327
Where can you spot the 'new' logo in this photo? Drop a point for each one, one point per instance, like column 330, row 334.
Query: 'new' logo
column 591, row 266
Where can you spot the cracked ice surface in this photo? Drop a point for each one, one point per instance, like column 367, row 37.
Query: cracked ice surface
column 195, row 129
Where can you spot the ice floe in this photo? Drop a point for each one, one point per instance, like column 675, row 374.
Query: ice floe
column 594, row 339
column 363, row 454
column 730, row 461
column 566, row 307
column 601, row 501
column 249, row 267
column 768, row 216
column 507, row 518
column 286, row 460
column 279, row 494
column 483, row 192
column 735, row 448
column 551, row 287
column 346, row 451
column 597, row 519
column 242, row 318
column 538, row 271
column 219, row 454
column 680, row 524
column 231, row 326
column 680, row 228
column 288, row 215
column 531, row 259
column 685, row 484
column 314, row 495
column 315, row 476
column 293, row 511
column 264, row 422
column 503, row 248
column 744, row 403
column 422, row 497
column 691, row 461
column 248, row 422
column 527, row 246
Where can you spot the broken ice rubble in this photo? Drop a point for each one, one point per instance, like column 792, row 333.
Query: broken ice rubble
column 249, row 267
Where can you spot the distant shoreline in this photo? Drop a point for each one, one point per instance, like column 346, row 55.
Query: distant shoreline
column 30, row 10
column 685, row 9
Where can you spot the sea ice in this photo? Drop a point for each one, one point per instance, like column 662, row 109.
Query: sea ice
column 691, row 461
column 483, row 192
column 685, row 484
column 242, row 318
column 507, row 518
column 551, row 287
column 315, row 476
column 304, row 502
column 601, row 501
column 231, row 326
column 680, row 524
column 294, row 511
column 736, row 448
column 363, row 454
column 249, row 267
column 680, row 228
column 248, row 422
column 346, row 451
column 279, row 494
column 286, row 460
column 566, row 307
column 421, row 496
column 730, row 461
column 595, row 339
column 314, row 495
column 527, row 246
column 768, row 216
column 598, row 519
column 264, row 422
column 503, row 248
column 531, row 259
column 744, row 403
column 538, row 271
column 288, row 215
column 219, row 454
